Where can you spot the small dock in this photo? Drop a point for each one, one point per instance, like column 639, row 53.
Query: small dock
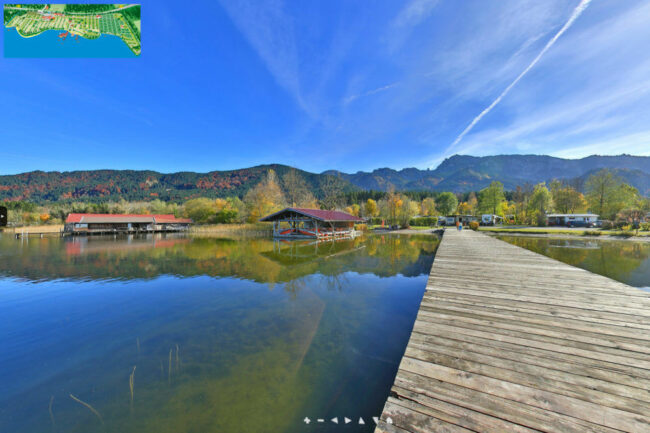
column 507, row 340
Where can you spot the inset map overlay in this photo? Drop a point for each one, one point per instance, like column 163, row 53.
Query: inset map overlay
column 74, row 21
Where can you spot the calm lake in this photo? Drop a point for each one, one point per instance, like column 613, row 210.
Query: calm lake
column 625, row 261
column 195, row 334
column 49, row 45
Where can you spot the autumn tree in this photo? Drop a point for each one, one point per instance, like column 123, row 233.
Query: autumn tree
column 540, row 203
column 332, row 192
column 264, row 198
column 566, row 199
column 521, row 197
column 446, row 203
column 297, row 191
column 472, row 203
column 371, row 208
column 428, row 207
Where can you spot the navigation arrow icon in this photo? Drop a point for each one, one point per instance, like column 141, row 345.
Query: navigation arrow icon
column 335, row 420
column 375, row 419
column 361, row 421
column 347, row 420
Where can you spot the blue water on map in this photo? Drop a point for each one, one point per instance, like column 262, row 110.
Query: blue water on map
column 48, row 44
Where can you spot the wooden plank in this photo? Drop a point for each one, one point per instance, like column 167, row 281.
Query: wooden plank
column 509, row 340
column 508, row 410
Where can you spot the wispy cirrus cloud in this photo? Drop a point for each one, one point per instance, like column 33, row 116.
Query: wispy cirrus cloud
column 574, row 16
column 356, row 96
column 414, row 13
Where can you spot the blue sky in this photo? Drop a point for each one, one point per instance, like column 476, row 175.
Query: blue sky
column 348, row 85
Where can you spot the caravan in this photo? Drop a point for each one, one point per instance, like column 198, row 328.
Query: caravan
column 490, row 220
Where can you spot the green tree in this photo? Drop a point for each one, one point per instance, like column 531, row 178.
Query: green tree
column 490, row 199
column 201, row 210
column 540, row 203
column 446, row 203
column 607, row 194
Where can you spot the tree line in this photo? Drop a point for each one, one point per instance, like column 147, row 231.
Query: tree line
column 604, row 194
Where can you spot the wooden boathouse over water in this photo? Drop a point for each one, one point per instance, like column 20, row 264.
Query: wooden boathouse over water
column 507, row 340
column 312, row 223
column 85, row 223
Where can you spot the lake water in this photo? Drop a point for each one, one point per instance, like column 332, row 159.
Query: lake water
column 179, row 334
column 625, row 261
column 49, row 45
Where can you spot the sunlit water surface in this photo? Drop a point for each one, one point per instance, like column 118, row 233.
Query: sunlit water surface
column 178, row 334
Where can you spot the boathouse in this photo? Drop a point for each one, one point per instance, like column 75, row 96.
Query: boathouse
column 312, row 223
column 85, row 223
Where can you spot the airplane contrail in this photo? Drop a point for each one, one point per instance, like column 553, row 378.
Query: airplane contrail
column 574, row 16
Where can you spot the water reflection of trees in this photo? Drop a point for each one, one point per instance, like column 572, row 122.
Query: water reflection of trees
column 614, row 259
column 258, row 259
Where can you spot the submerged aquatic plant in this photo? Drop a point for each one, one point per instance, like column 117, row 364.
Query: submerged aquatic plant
column 132, row 384
column 169, row 369
column 92, row 409
column 178, row 362
column 51, row 412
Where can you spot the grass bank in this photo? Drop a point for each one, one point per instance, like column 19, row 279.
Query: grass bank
column 535, row 231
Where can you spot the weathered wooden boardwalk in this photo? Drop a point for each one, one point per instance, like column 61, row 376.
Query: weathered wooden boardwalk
column 510, row 340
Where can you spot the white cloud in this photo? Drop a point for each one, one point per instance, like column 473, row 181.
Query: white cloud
column 636, row 144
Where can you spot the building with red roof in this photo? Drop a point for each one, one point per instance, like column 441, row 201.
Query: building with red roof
column 89, row 223
column 312, row 223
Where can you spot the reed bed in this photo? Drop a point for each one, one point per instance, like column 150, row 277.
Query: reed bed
column 257, row 229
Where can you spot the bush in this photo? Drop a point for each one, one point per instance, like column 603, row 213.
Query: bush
column 645, row 226
column 424, row 221
column 361, row 227
column 226, row 216
column 473, row 225
column 620, row 224
column 591, row 233
column 607, row 225
column 627, row 234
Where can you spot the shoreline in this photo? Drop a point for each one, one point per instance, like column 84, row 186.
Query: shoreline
column 568, row 236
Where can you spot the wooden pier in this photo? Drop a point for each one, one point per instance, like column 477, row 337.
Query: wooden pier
column 507, row 340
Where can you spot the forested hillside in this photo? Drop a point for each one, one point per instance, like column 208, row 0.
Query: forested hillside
column 131, row 185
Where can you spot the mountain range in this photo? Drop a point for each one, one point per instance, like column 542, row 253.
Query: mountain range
column 459, row 173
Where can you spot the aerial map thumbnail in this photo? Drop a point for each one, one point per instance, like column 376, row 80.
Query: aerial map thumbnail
column 82, row 24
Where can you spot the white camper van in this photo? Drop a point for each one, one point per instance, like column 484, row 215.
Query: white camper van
column 490, row 220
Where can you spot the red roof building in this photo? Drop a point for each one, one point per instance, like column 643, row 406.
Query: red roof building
column 111, row 223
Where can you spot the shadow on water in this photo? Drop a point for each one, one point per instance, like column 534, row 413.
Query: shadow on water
column 624, row 261
column 191, row 334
